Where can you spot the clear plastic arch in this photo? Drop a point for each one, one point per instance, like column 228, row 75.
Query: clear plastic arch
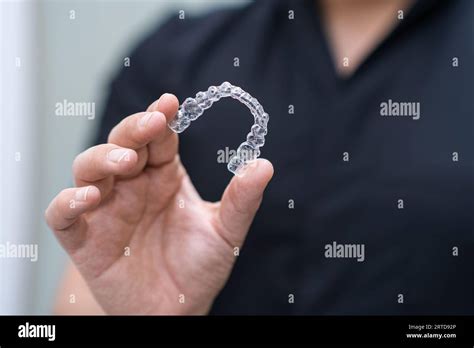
column 192, row 108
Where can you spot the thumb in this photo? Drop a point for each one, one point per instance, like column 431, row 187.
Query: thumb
column 241, row 200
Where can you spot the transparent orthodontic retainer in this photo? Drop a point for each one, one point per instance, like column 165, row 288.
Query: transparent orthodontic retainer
column 192, row 108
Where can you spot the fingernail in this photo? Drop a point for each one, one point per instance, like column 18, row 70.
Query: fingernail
column 81, row 194
column 118, row 155
column 145, row 119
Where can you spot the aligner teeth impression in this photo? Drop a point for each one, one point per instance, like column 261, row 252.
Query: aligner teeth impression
column 192, row 108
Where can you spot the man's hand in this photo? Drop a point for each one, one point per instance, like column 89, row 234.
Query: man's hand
column 138, row 231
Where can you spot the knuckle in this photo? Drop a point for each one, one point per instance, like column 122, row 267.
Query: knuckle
column 79, row 159
column 47, row 216
column 76, row 163
column 52, row 212
column 63, row 199
column 88, row 159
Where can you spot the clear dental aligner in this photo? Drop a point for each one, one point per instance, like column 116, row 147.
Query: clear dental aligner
column 192, row 108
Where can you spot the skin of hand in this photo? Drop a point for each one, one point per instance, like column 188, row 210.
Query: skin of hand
column 138, row 231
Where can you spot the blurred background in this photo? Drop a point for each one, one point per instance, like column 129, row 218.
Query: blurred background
column 51, row 51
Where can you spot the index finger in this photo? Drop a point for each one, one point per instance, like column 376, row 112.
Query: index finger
column 164, row 148
column 138, row 130
column 150, row 128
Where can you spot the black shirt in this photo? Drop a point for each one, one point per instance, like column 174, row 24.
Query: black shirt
column 410, row 245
